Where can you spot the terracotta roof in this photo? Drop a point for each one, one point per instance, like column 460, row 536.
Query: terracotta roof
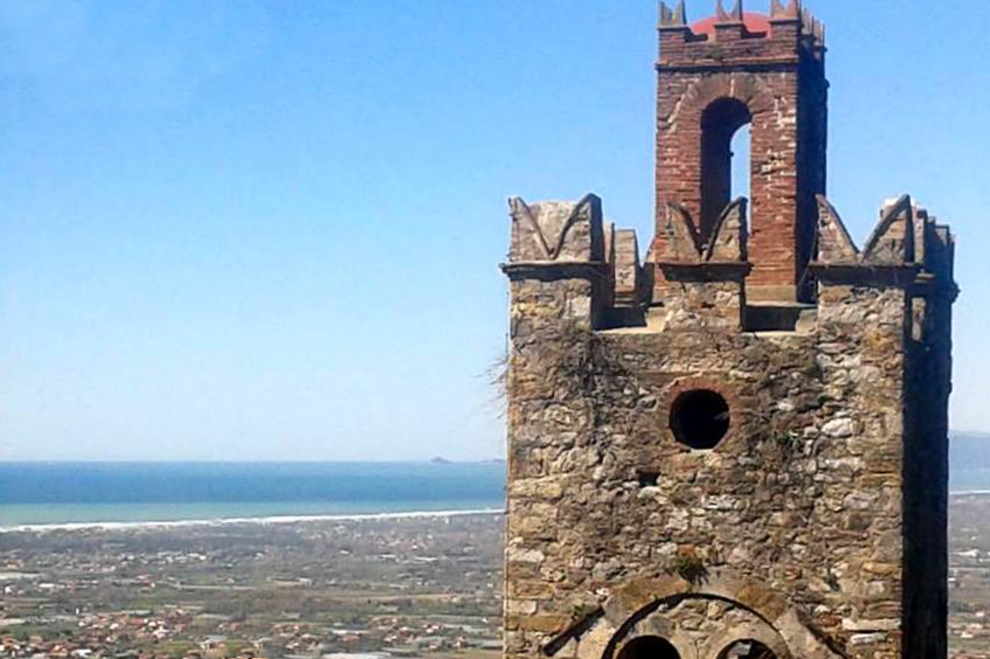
column 754, row 23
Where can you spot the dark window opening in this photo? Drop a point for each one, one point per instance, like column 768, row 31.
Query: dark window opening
column 649, row 647
column 700, row 419
column 648, row 478
column 747, row 650
column 720, row 134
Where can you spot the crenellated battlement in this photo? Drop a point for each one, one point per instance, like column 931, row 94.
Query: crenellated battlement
column 906, row 237
column 908, row 248
column 557, row 240
column 779, row 33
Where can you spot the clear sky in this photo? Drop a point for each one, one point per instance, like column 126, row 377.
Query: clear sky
column 271, row 230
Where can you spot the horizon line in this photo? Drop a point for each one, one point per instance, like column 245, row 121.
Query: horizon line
column 439, row 460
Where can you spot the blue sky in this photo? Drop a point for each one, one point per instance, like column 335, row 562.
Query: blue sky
column 271, row 230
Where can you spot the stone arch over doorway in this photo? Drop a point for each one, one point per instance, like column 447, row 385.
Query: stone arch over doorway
column 697, row 626
column 700, row 621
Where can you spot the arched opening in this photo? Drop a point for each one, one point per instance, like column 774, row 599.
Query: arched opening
column 700, row 418
column 649, row 647
column 720, row 136
column 747, row 649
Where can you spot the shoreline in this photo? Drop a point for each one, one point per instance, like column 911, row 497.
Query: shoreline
column 105, row 525
column 230, row 521
column 42, row 527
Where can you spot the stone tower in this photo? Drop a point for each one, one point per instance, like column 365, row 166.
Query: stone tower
column 737, row 448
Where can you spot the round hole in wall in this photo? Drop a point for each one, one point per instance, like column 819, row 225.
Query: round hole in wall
column 649, row 647
column 700, row 418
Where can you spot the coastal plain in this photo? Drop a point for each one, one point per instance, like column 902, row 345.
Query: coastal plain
column 428, row 586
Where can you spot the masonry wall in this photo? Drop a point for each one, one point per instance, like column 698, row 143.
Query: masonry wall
column 803, row 495
column 816, row 527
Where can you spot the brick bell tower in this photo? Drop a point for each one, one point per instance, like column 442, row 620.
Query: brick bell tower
column 737, row 448
column 717, row 76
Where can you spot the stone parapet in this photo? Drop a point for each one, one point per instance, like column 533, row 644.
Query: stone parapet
column 702, row 283
column 906, row 249
column 557, row 241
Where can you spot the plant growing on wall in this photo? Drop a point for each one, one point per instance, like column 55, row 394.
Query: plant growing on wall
column 690, row 567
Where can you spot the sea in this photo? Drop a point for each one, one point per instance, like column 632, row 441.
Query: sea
column 78, row 494
column 40, row 495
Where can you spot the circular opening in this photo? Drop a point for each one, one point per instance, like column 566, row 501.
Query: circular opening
column 747, row 650
column 649, row 647
column 700, row 418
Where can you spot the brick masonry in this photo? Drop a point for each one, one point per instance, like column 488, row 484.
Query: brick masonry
column 779, row 76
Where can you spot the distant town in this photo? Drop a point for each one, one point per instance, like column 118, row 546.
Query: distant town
column 322, row 589
column 969, row 576
column 402, row 587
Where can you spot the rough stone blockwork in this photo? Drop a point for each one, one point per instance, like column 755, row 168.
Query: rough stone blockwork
column 681, row 485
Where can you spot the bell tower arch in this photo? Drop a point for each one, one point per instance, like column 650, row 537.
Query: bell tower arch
column 722, row 73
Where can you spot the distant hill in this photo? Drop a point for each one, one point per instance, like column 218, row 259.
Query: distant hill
column 970, row 450
column 969, row 461
column 966, row 435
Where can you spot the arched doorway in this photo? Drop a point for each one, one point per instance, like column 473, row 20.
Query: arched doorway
column 648, row 647
column 746, row 649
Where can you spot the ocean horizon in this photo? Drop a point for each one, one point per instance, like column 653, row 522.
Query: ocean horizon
column 60, row 493
column 78, row 494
